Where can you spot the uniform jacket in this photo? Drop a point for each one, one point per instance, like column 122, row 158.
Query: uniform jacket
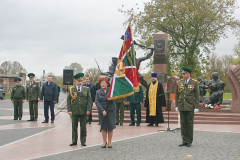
column 18, row 92
column 92, row 90
column 81, row 103
column 187, row 96
column 102, row 102
column 137, row 97
column 49, row 92
column 33, row 91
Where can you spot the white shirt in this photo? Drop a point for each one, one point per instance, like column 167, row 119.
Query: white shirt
column 187, row 79
column 78, row 87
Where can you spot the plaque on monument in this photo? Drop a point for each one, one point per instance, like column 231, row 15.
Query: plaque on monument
column 160, row 59
column 159, row 46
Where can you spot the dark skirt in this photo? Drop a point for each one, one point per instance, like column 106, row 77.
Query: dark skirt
column 109, row 120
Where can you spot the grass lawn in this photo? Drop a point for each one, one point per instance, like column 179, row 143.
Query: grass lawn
column 225, row 95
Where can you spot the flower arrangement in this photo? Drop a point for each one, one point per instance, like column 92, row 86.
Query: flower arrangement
column 209, row 106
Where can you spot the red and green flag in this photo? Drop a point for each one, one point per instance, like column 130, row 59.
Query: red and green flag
column 125, row 79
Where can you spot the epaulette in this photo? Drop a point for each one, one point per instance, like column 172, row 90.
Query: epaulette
column 85, row 86
column 195, row 80
column 71, row 86
column 36, row 81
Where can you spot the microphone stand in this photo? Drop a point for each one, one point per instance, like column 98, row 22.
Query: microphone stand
column 168, row 108
column 60, row 111
column 63, row 107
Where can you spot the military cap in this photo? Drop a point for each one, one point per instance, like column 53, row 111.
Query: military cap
column 154, row 75
column 17, row 79
column 78, row 76
column 31, row 75
column 185, row 70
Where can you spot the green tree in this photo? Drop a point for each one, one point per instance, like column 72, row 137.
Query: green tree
column 193, row 27
column 77, row 68
column 94, row 75
column 236, row 58
column 220, row 64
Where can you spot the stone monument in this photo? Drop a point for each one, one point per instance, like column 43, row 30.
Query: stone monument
column 234, row 84
column 160, row 57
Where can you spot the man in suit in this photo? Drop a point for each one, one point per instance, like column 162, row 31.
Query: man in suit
column 187, row 102
column 79, row 106
column 17, row 98
column 33, row 97
column 50, row 94
column 93, row 94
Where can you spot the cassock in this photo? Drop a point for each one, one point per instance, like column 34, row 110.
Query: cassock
column 154, row 103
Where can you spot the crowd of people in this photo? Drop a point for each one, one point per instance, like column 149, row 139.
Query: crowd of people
column 82, row 96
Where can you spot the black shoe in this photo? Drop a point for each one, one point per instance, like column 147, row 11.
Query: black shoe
column 104, row 146
column 121, row 124
column 20, row 118
column 89, row 122
column 189, row 145
column 183, row 144
column 131, row 124
column 156, row 125
column 45, row 122
column 150, row 124
column 34, row 120
column 138, row 125
column 117, row 123
column 15, row 119
column 109, row 146
column 83, row 144
column 73, row 144
column 30, row 120
column 98, row 123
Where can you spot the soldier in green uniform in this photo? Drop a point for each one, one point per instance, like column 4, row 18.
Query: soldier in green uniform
column 119, row 109
column 79, row 105
column 187, row 102
column 17, row 98
column 33, row 97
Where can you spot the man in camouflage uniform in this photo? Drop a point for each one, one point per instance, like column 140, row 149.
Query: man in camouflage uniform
column 33, row 97
column 187, row 102
column 79, row 105
column 17, row 98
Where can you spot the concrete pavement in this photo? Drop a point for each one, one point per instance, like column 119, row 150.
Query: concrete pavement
column 34, row 140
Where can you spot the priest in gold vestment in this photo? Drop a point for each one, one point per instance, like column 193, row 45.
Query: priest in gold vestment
column 154, row 102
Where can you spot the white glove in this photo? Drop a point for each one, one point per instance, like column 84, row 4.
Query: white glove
column 196, row 110
column 176, row 108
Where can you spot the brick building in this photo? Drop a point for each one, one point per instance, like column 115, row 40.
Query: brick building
column 7, row 80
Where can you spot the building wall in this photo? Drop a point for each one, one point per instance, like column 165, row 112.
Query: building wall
column 7, row 80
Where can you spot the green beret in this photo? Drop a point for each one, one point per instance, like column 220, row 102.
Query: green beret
column 78, row 76
column 17, row 79
column 185, row 69
column 31, row 75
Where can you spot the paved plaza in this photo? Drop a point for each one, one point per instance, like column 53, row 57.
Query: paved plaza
column 34, row 140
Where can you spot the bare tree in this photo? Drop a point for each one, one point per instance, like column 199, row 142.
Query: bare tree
column 94, row 74
column 77, row 68
column 8, row 67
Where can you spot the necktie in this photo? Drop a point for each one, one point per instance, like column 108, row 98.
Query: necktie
column 78, row 88
column 31, row 83
column 186, row 83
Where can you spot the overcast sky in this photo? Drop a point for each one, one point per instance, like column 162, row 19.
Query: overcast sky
column 51, row 34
